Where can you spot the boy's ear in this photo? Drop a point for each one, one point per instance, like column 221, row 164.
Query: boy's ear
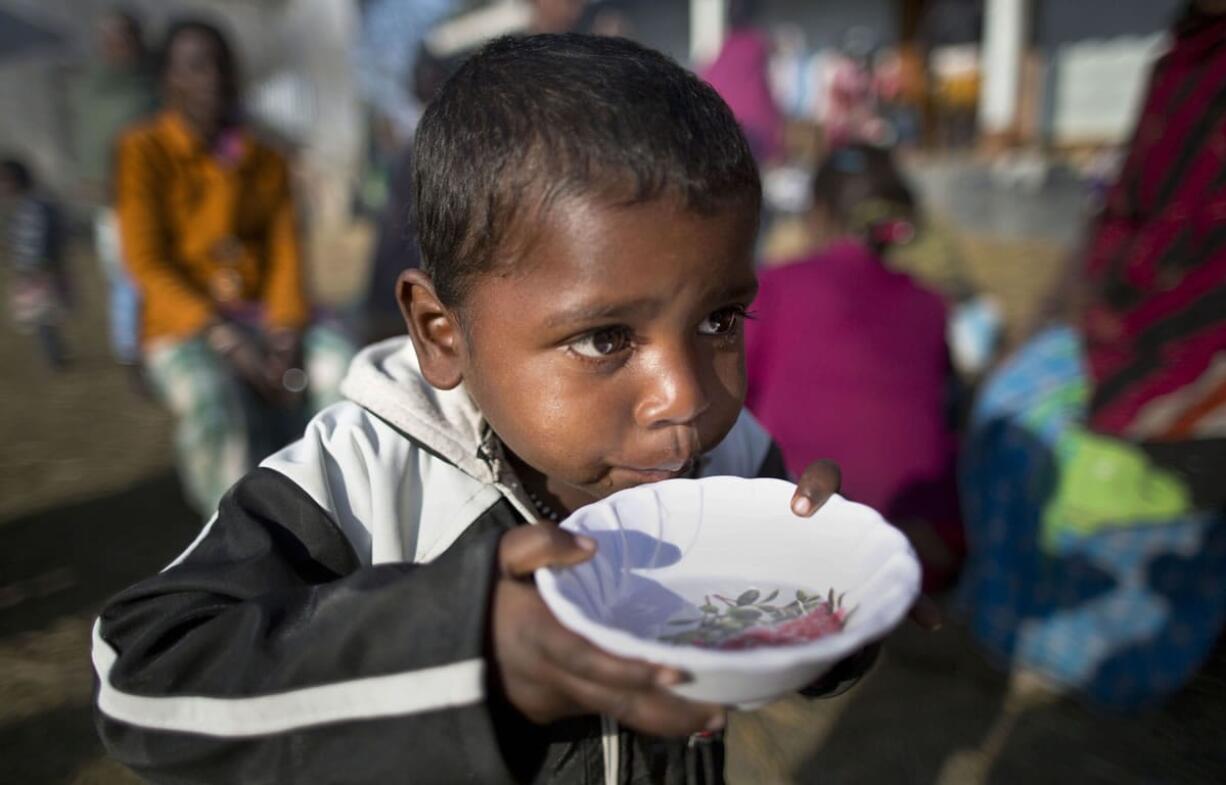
column 433, row 328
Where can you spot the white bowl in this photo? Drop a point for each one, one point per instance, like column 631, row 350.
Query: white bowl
column 662, row 548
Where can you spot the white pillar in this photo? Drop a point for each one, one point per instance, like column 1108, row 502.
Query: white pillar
column 1005, row 32
column 332, row 150
column 708, row 20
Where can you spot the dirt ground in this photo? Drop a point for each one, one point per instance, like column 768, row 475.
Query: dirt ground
column 89, row 503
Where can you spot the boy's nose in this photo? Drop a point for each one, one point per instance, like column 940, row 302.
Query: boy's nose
column 675, row 393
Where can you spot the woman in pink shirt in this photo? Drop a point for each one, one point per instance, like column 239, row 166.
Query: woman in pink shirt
column 741, row 76
column 861, row 349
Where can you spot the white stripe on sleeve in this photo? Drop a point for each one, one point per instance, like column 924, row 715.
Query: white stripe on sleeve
column 413, row 692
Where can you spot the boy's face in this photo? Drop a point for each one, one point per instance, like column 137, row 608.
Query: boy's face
column 612, row 354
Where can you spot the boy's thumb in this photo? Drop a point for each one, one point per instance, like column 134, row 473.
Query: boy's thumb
column 527, row 548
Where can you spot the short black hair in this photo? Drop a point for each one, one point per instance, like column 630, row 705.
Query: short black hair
column 18, row 172
column 860, row 187
column 227, row 61
column 530, row 120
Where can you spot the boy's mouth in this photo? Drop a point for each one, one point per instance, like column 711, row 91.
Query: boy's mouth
column 669, row 470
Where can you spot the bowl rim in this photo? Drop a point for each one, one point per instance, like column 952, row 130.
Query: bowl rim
column 827, row 648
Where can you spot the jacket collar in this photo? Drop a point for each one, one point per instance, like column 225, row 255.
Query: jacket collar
column 386, row 380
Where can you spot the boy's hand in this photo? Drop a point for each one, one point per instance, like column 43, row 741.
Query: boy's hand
column 820, row 481
column 548, row 672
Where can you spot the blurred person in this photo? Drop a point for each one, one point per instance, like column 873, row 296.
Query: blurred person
column 364, row 599
column 860, row 349
column 396, row 248
column 37, row 280
column 1093, row 474
column 850, row 114
column 792, row 72
column 556, row 16
column 209, row 229
column 897, row 93
column 611, row 22
column 956, row 84
column 113, row 93
column 740, row 73
column 390, row 36
column 948, row 42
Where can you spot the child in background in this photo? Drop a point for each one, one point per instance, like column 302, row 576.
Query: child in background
column 37, row 284
column 860, row 350
column 361, row 609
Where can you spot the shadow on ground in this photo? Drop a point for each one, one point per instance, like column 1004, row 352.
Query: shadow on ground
column 57, row 567
column 68, row 560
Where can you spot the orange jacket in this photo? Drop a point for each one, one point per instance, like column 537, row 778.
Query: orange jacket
column 201, row 234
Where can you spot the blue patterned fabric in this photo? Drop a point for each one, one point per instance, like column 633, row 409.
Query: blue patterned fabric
column 1125, row 615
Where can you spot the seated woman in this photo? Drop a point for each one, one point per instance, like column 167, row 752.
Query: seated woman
column 1093, row 471
column 209, row 230
column 861, row 349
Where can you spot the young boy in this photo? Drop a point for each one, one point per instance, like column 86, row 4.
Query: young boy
column 361, row 608
column 37, row 281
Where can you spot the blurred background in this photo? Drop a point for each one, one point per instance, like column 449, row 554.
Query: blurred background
column 1009, row 122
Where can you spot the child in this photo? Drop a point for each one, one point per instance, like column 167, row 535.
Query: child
column 37, row 285
column 875, row 399
column 361, row 607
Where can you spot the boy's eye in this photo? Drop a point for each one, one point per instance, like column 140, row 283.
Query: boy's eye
column 604, row 342
column 722, row 322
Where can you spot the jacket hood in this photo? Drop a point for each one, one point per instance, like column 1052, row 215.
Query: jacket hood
column 385, row 379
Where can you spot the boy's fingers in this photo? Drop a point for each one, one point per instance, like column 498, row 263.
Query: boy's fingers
column 655, row 712
column 572, row 653
column 818, row 483
column 526, row 548
column 927, row 614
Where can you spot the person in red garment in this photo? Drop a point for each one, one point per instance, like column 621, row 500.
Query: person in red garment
column 860, row 348
column 1154, row 322
column 1093, row 459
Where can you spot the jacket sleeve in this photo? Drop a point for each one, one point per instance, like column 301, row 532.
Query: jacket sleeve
column 269, row 654
column 170, row 298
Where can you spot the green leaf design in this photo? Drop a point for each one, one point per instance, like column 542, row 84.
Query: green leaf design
column 749, row 610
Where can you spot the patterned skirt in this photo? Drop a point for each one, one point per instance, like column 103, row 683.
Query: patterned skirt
column 1086, row 562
